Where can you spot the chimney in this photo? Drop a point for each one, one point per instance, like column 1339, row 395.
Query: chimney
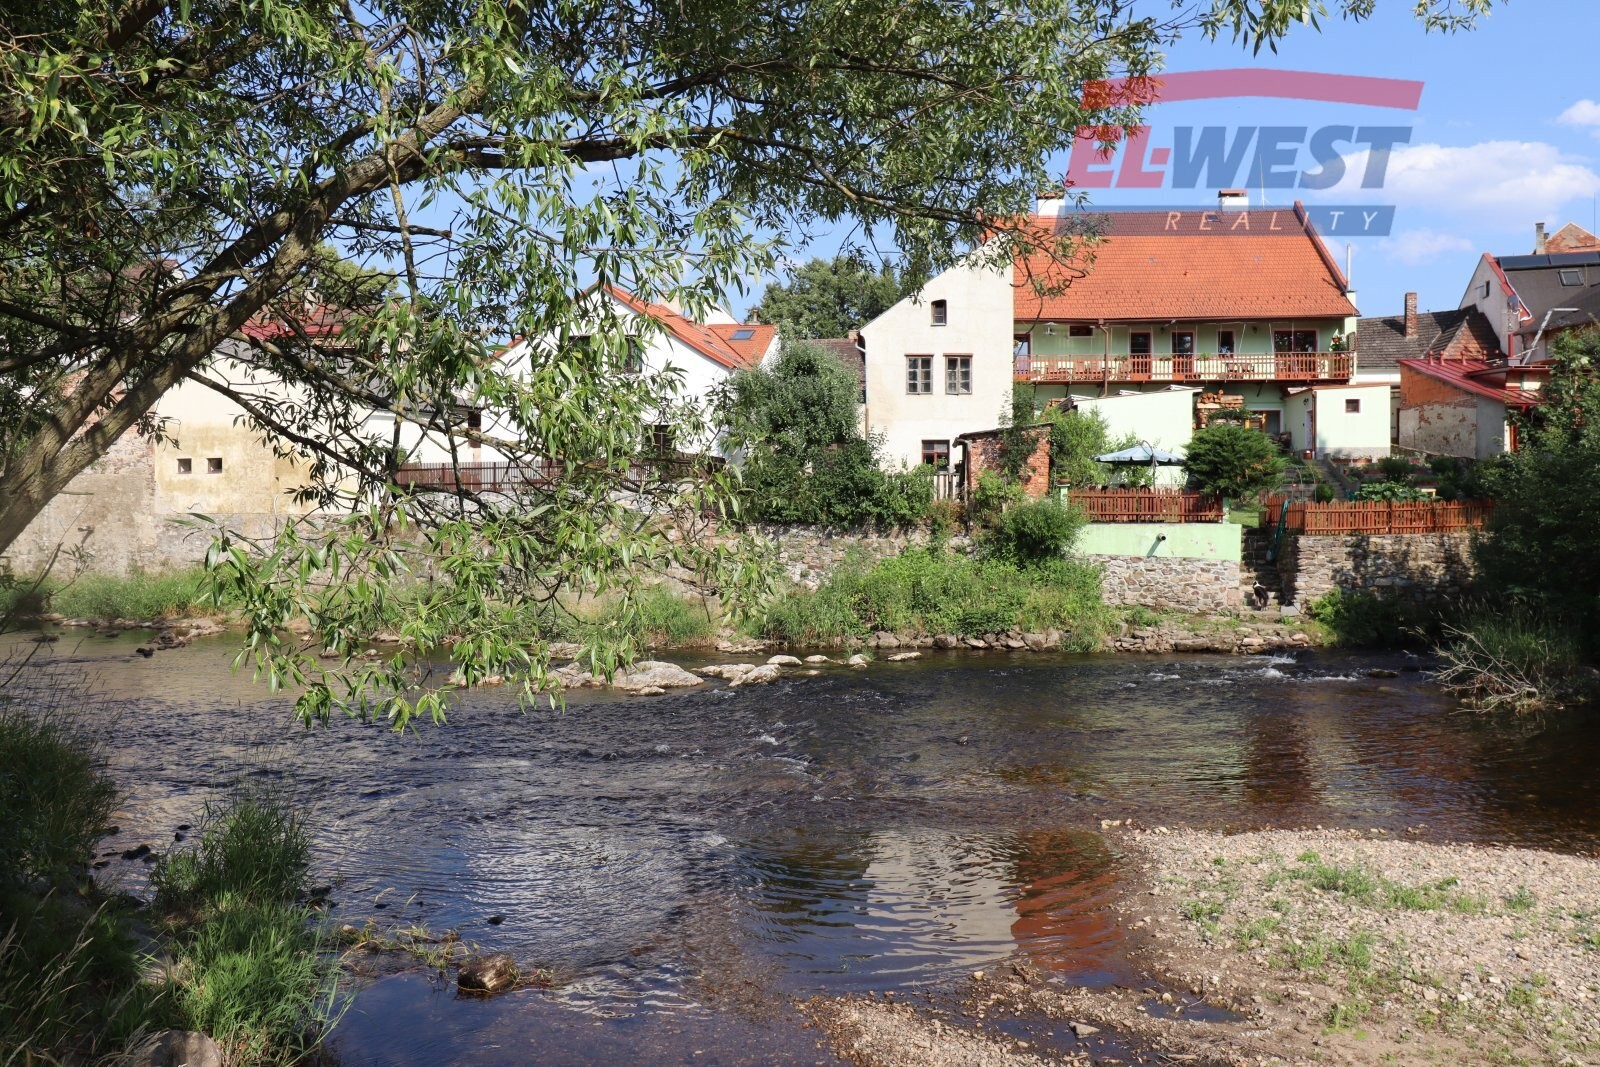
column 1538, row 238
column 1233, row 199
column 1050, row 203
column 1411, row 314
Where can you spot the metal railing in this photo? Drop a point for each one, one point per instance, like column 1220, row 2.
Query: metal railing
column 1146, row 505
column 1194, row 369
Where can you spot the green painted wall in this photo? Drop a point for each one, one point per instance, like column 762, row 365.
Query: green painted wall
column 1185, row 540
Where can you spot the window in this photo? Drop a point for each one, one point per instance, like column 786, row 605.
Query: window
column 1294, row 340
column 185, row 466
column 1080, row 331
column 1022, row 344
column 936, row 454
column 660, row 442
column 475, row 419
column 941, row 313
column 1225, row 342
column 1183, row 342
column 1571, row 276
column 1352, row 406
column 633, row 360
column 743, row 333
column 958, row 374
column 919, row 374
column 1483, row 290
column 1139, row 343
column 214, row 465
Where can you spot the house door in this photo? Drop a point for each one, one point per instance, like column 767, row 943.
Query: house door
column 1139, row 355
column 1182, row 355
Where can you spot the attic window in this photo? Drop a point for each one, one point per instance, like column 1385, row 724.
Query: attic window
column 1484, row 289
column 214, row 465
column 941, row 313
column 743, row 333
column 1571, row 276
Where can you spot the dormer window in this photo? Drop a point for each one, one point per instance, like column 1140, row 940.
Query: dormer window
column 941, row 313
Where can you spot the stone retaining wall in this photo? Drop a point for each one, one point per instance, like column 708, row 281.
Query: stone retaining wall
column 1423, row 568
column 1170, row 583
column 808, row 554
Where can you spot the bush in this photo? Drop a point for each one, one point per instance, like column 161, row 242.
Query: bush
column 1033, row 533
column 927, row 593
column 253, row 848
column 658, row 616
column 1362, row 619
column 1515, row 660
column 990, row 498
column 1324, row 493
column 56, row 800
column 1233, row 461
column 1391, row 491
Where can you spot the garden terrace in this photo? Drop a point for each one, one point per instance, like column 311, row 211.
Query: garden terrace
column 1377, row 516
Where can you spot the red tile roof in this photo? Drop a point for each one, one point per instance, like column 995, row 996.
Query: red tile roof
column 713, row 342
column 1160, row 265
column 1570, row 238
column 1464, row 374
column 752, row 348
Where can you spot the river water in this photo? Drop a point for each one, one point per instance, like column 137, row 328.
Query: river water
column 691, row 863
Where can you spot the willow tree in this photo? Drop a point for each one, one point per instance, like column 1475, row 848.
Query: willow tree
column 170, row 171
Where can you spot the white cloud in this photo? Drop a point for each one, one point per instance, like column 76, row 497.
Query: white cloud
column 1583, row 113
column 1415, row 247
column 1496, row 182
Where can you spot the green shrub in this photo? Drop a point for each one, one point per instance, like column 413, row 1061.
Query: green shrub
column 1392, row 491
column 990, row 498
column 922, row 592
column 1035, row 532
column 1397, row 469
column 253, row 981
column 657, row 616
column 253, row 847
column 54, row 796
column 1233, row 461
column 1324, row 493
column 1359, row 619
column 1514, row 658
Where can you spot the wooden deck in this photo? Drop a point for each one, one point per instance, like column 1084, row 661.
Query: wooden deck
column 1202, row 367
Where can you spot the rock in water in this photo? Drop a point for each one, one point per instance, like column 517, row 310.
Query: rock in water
column 487, row 974
column 900, row 656
column 784, row 661
column 765, row 674
column 176, row 1048
column 648, row 672
column 818, row 659
column 858, row 660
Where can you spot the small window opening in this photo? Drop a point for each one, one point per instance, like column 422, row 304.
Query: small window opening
column 1352, row 406
column 936, row 454
column 475, row 419
column 941, row 313
column 185, row 466
column 1080, row 331
column 214, row 465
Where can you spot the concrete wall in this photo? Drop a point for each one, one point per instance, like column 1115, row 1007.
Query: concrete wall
column 1191, row 540
column 1163, row 418
column 1317, row 419
column 1436, row 417
column 1425, row 568
column 978, row 299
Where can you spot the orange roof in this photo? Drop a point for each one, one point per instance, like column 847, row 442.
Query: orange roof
column 751, row 340
column 1467, row 374
column 716, row 343
column 1193, row 264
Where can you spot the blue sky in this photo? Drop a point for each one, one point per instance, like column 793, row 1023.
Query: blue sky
column 1507, row 134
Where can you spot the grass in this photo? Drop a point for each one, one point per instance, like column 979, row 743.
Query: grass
column 657, row 617
column 927, row 593
column 140, row 595
column 1360, row 884
column 253, row 847
column 1514, row 660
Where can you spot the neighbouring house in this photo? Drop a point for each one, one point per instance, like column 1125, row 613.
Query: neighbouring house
column 1524, row 297
column 124, row 511
column 1241, row 300
column 1382, row 341
column 661, row 339
column 1344, row 421
column 1461, row 407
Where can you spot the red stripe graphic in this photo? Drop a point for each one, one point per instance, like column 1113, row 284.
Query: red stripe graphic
column 1255, row 81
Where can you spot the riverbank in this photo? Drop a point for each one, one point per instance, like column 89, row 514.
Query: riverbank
column 1293, row 947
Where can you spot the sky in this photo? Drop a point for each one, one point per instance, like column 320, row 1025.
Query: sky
column 1506, row 134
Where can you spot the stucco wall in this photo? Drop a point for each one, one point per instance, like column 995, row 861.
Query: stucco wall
column 1426, row 568
column 979, row 322
column 1163, row 417
column 1193, row 540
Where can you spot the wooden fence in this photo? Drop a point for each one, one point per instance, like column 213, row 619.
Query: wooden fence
column 1146, row 505
column 1378, row 516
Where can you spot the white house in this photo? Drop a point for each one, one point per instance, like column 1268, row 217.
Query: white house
column 703, row 354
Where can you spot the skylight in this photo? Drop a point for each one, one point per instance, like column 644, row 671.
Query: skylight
column 743, row 333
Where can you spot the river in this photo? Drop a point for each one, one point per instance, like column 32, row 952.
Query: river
column 689, row 865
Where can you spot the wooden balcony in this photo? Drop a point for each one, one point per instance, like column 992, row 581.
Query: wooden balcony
column 1200, row 368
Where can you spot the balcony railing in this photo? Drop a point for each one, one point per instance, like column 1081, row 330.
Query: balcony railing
column 1196, row 369
column 478, row 478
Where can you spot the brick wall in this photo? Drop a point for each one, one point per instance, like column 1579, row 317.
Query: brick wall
column 984, row 454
